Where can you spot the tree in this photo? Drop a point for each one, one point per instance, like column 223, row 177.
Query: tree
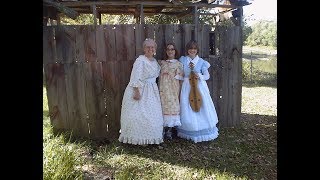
column 264, row 33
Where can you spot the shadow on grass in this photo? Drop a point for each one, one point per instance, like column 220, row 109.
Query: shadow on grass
column 245, row 151
column 262, row 79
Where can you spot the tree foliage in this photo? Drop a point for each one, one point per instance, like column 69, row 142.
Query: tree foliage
column 264, row 33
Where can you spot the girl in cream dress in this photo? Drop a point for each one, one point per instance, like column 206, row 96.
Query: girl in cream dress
column 170, row 78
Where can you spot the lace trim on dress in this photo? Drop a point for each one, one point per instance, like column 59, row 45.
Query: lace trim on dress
column 171, row 121
column 131, row 140
column 199, row 136
column 136, row 84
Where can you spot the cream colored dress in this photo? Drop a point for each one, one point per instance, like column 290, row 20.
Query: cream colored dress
column 171, row 72
column 141, row 120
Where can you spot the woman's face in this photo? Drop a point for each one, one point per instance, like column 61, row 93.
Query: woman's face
column 149, row 49
column 171, row 52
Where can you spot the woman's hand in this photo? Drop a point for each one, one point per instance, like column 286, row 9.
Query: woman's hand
column 136, row 94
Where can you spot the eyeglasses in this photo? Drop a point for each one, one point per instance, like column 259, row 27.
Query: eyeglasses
column 170, row 49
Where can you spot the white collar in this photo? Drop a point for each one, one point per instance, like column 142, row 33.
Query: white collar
column 194, row 60
column 171, row 60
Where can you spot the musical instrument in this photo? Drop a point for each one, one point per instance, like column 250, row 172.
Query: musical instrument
column 194, row 95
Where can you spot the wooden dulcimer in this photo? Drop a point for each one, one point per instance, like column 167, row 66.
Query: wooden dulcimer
column 194, row 95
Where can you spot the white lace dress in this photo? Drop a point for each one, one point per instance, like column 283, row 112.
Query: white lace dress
column 142, row 120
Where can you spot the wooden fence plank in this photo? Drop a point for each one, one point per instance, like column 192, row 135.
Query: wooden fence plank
column 80, row 44
column 168, row 33
column 113, row 98
column 77, row 112
column 110, row 35
column 101, row 43
column 95, row 99
column 224, row 82
column 149, row 31
column 90, row 43
column 159, row 34
column 216, row 87
column 205, row 41
column 48, row 45
column 235, row 75
column 129, row 42
column 121, row 50
column 140, row 37
column 198, row 35
column 177, row 29
column 57, row 101
column 187, row 28
column 66, row 44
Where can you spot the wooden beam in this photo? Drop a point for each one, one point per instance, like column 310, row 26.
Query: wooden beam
column 144, row 3
column 62, row 8
column 186, row 13
column 214, row 14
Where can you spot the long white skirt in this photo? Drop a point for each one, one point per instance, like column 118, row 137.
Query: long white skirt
column 142, row 120
column 197, row 126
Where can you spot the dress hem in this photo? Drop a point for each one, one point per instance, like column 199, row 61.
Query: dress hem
column 130, row 140
column 200, row 138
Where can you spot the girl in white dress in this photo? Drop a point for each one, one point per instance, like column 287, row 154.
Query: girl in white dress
column 199, row 125
column 141, row 114
column 170, row 85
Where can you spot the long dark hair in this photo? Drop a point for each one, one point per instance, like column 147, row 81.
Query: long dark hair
column 176, row 56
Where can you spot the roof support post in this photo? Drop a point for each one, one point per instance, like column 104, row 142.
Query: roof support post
column 94, row 12
column 195, row 22
column 141, row 14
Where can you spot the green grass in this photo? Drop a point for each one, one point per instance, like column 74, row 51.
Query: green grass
column 244, row 152
column 248, row 151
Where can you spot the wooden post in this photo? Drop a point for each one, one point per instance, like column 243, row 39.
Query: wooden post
column 94, row 12
column 195, row 22
column 58, row 19
column 195, row 15
column 141, row 15
column 241, row 17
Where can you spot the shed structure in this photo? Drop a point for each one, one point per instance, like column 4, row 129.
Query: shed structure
column 87, row 67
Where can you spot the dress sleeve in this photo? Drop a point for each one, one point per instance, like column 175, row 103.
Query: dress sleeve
column 205, row 66
column 205, row 75
column 181, row 59
column 179, row 72
column 136, row 74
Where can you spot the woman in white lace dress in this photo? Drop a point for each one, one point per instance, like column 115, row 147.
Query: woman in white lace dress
column 141, row 114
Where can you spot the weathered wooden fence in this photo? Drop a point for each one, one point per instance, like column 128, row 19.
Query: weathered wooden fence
column 87, row 68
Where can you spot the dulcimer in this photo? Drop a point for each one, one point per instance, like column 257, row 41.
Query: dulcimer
column 194, row 95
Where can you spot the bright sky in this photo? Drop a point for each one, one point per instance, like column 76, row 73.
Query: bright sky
column 261, row 10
